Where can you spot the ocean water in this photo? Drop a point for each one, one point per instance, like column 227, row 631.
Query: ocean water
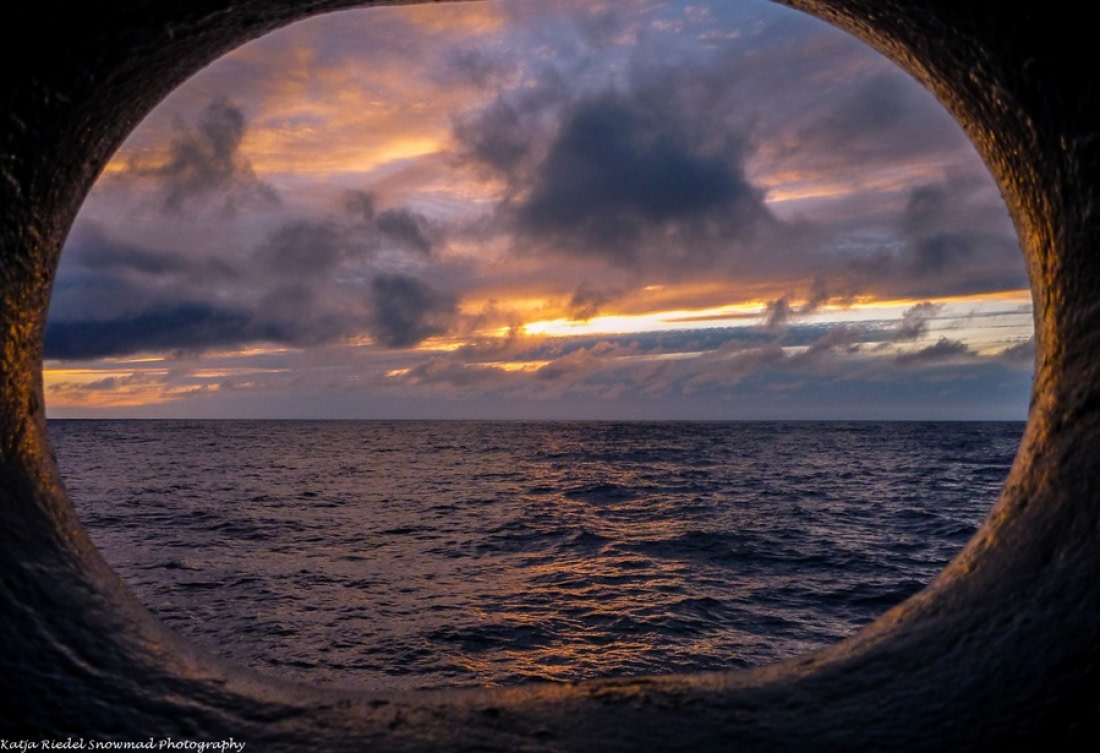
column 432, row 554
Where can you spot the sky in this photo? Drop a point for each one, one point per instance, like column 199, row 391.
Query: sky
column 545, row 209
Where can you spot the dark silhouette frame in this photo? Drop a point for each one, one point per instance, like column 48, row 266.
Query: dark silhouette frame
column 1001, row 652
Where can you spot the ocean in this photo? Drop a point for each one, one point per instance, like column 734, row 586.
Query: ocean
column 415, row 554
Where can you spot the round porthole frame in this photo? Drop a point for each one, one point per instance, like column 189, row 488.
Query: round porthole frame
column 1001, row 652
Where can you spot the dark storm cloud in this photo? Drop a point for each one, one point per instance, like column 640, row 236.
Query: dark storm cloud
column 184, row 325
column 312, row 248
column 939, row 241
column 406, row 311
column 302, row 247
column 91, row 252
column 648, row 175
column 925, row 207
column 643, row 175
column 625, row 169
column 505, row 135
column 305, row 283
column 861, row 126
column 206, row 159
column 951, row 239
column 305, row 313
column 951, row 242
column 94, row 251
column 103, row 278
column 392, row 229
column 405, row 229
column 932, row 254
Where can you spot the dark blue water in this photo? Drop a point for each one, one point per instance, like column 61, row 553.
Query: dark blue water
column 427, row 554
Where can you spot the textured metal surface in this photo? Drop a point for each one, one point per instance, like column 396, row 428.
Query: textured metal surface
column 1001, row 652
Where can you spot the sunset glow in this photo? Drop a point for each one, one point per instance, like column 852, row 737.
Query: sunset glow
column 547, row 209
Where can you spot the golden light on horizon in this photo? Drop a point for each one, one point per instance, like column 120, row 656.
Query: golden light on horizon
column 453, row 151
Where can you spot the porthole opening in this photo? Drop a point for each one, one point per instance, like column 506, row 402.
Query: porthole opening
column 208, row 279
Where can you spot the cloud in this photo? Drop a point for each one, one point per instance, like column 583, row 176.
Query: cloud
column 95, row 251
column 103, row 278
column 639, row 176
column 954, row 244
column 954, row 248
column 624, row 170
column 583, row 361
column 780, row 312
column 879, row 116
column 405, row 229
column 405, row 311
column 302, row 247
column 545, row 164
column 188, row 325
column 205, row 159
column 914, row 322
column 777, row 314
column 359, row 205
column 473, row 66
column 301, row 280
column 1023, row 352
column 446, row 372
column 943, row 350
column 301, row 285
column 819, row 296
column 507, row 134
column 846, row 338
column 648, row 174
column 653, row 364
column 587, row 301
column 933, row 253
